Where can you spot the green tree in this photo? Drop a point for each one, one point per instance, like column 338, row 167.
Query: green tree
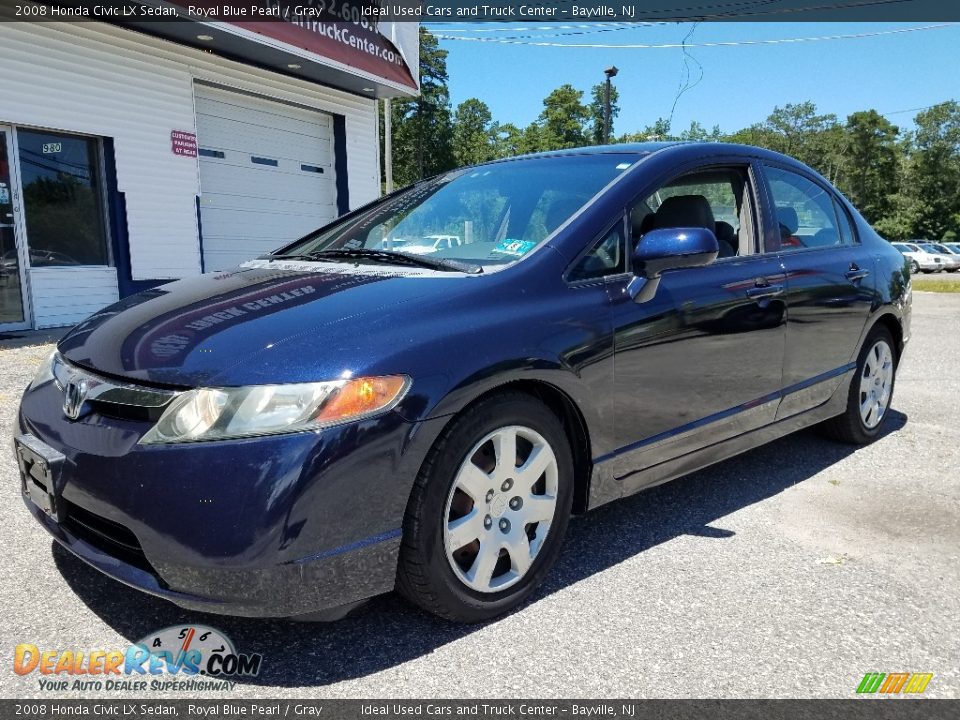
column 564, row 120
column 507, row 139
column 874, row 164
column 934, row 174
column 473, row 135
column 798, row 130
column 422, row 126
column 697, row 132
column 659, row 131
column 597, row 102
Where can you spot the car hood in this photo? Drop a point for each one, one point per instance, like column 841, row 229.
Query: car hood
column 221, row 328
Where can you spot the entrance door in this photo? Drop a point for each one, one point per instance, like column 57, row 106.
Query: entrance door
column 12, row 314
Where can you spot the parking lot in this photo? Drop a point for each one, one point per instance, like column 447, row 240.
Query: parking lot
column 789, row 571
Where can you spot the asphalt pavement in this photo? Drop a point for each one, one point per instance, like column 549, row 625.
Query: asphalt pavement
column 789, row 571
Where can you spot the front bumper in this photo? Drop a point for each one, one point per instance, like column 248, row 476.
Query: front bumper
column 276, row 526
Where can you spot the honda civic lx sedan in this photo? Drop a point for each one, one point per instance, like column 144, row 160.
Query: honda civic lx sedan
column 342, row 417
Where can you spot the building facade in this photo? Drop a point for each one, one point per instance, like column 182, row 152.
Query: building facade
column 134, row 155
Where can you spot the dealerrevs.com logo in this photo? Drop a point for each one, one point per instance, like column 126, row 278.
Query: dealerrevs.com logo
column 894, row 683
column 184, row 657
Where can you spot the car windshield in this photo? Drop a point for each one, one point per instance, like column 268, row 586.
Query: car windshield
column 931, row 248
column 479, row 216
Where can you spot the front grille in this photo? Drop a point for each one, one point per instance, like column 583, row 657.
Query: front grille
column 137, row 413
column 109, row 396
column 105, row 535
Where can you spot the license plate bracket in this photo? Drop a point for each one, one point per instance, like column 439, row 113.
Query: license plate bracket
column 41, row 467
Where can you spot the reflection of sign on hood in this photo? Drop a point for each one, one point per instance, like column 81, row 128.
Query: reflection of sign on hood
column 165, row 339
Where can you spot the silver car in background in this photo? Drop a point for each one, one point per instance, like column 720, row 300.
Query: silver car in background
column 920, row 259
column 951, row 254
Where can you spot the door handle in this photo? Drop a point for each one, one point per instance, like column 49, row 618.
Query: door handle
column 854, row 274
column 764, row 291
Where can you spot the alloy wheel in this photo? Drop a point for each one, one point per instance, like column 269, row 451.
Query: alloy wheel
column 876, row 384
column 500, row 508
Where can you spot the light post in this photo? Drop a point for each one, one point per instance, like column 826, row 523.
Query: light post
column 610, row 72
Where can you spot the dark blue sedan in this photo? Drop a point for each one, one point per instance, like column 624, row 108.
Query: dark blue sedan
column 420, row 394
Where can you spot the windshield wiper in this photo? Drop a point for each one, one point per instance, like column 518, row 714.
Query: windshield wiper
column 389, row 257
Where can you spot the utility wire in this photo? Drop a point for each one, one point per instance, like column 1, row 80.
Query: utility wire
column 731, row 43
column 908, row 110
column 685, row 85
column 539, row 36
column 442, row 27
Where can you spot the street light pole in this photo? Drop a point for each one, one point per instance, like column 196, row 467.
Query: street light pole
column 610, row 72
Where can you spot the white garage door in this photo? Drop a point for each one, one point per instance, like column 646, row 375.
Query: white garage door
column 266, row 175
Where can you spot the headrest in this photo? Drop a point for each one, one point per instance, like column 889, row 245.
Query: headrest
column 685, row 211
column 725, row 231
column 787, row 217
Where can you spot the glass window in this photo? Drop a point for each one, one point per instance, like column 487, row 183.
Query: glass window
column 62, row 198
column 487, row 215
column 806, row 212
column 11, row 292
column 607, row 257
column 712, row 198
column 847, row 236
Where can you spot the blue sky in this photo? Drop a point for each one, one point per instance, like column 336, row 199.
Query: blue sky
column 740, row 85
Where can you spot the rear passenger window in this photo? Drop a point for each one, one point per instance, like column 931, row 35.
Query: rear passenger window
column 847, row 236
column 806, row 213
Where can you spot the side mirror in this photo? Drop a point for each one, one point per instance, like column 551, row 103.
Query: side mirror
column 669, row 249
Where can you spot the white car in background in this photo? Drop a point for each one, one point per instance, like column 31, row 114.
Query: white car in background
column 952, row 254
column 431, row 244
column 920, row 259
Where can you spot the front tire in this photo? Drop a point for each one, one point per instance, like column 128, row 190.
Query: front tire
column 488, row 512
column 870, row 393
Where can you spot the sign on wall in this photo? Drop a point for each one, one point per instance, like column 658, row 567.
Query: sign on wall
column 183, row 143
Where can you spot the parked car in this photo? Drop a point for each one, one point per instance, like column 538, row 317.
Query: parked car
column 950, row 256
column 333, row 420
column 432, row 244
column 920, row 259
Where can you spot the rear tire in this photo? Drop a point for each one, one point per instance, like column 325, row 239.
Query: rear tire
column 870, row 392
column 488, row 512
column 914, row 267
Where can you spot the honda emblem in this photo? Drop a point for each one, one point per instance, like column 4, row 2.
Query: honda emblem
column 73, row 396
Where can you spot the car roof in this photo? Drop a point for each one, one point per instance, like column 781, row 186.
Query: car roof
column 683, row 150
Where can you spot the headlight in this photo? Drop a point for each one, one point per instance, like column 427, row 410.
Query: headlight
column 226, row 413
column 45, row 371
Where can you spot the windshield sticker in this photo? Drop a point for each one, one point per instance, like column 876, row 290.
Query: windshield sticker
column 514, row 248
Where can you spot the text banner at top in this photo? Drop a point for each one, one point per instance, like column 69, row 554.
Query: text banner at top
column 441, row 11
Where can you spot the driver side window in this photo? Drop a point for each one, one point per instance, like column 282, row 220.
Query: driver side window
column 711, row 198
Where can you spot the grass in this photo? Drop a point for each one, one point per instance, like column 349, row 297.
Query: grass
column 936, row 285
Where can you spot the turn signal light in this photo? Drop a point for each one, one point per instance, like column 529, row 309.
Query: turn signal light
column 363, row 396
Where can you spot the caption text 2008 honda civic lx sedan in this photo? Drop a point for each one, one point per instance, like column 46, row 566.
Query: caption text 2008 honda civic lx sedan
column 420, row 394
